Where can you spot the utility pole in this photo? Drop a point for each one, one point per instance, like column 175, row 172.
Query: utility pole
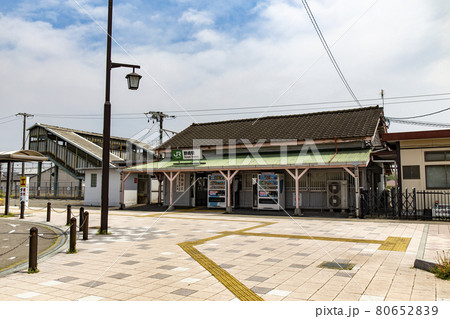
column 25, row 115
column 158, row 117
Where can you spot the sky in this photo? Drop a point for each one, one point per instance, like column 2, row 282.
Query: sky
column 204, row 61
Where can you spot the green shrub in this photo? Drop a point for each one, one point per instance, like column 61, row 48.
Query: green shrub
column 442, row 270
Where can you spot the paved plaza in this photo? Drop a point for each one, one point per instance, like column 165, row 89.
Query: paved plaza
column 197, row 255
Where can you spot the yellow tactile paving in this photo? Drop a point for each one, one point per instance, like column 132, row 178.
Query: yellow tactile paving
column 232, row 284
column 350, row 240
column 239, row 289
column 395, row 244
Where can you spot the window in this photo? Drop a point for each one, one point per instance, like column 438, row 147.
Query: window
column 438, row 176
column 437, row 156
column 93, row 180
column 411, row 172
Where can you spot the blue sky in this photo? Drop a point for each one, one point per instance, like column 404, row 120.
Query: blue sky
column 214, row 55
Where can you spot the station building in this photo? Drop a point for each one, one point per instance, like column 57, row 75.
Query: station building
column 314, row 161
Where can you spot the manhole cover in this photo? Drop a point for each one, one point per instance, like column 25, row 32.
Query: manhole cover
column 335, row 265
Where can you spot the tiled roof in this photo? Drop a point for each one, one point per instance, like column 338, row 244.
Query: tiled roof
column 351, row 123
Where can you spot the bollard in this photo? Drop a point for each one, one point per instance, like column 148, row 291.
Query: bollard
column 81, row 218
column 49, row 209
column 33, row 253
column 69, row 214
column 22, row 209
column 86, row 225
column 73, row 236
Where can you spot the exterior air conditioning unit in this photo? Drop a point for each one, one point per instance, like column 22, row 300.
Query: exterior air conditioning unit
column 337, row 194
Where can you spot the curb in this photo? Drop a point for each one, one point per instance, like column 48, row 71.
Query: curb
column 420, row 263
column 49, row 252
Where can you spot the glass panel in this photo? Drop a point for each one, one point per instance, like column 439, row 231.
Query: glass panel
column 411, row 172
column 93, row 180
column 435, row 176
column 434, row 156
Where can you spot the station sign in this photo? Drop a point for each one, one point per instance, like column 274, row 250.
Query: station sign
column 183, row 155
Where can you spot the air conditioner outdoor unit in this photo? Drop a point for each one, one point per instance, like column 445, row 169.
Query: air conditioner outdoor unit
column 337, row 195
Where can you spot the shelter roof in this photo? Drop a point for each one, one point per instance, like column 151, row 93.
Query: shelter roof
column 22, row 156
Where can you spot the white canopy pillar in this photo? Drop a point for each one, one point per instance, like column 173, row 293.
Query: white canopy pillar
column 229, row 178
column 297, row 177
column 171, row 178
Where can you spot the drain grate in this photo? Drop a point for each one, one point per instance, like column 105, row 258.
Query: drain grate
column 335, row 265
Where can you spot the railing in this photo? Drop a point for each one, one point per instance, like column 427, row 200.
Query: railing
column 410, row 204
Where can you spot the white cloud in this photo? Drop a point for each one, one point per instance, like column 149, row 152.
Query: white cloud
column 197, row 17
column 402, row 49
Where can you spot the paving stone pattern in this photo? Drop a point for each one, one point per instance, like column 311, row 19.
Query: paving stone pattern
column 138, row 261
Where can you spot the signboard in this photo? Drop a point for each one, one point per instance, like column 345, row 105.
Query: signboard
column 182, row 155
column 24, row 189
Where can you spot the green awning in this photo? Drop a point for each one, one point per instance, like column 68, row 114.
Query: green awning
column 347, row 158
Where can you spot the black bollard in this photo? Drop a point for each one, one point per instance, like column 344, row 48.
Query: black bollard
column 33, row 251
column 73, row 236
column 86, row 225
column 49, row 209
column 81, row 218
column 22, row 209
column 69, row 214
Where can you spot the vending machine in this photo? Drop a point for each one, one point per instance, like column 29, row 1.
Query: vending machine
column 217, row 191
column 270, row 191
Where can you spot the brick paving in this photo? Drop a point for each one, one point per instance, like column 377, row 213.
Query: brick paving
column 187, row 255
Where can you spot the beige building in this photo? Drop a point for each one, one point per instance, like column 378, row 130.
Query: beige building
column 424, row 158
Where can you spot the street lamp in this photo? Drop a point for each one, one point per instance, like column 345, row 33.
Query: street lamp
column 133, row 80
column 133, row 84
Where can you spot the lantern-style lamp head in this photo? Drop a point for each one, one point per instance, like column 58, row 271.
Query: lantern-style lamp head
column 133, row 80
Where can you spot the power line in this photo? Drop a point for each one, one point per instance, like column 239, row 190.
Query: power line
column 9, row 121
column 328, row 50
column 123, row 115
column 433, row 124
column 423, row 115
column 207, row 112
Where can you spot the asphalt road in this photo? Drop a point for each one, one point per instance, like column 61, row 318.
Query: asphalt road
column 14, row 241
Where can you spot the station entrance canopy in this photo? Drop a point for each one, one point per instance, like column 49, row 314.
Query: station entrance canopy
column 344, row 158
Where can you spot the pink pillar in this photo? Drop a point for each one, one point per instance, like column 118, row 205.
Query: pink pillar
column 171, row 178
column 297, row 177
column 229, row 177
column 296, row 189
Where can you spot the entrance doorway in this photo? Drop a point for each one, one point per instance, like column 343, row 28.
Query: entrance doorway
column 201, row 190
column 143, row 189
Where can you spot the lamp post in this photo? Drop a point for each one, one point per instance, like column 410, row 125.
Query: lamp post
column 133, row 84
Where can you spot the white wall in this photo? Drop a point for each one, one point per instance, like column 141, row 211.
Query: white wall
column 130, row 193
column 92, row 195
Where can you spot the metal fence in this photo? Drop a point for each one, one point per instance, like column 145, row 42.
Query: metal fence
column 410, row 204
column 66, row 190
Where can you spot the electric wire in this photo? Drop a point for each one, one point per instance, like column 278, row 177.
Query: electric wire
column 433, row 124
column 419, row 116
column 328, row 50
column 124, row 115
